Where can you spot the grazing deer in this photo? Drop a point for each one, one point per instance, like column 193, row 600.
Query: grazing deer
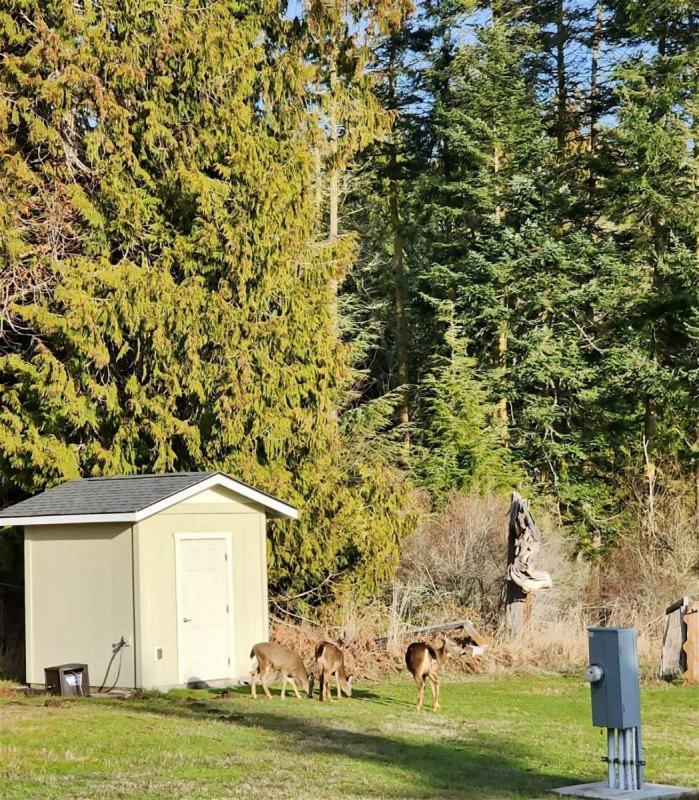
column 272, row 656
column 424, row 661
column 330, row 660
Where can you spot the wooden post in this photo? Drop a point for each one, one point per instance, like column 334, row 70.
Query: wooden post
column 691, row 646
column 517, row 604
column 673, row 660
column 523, row 542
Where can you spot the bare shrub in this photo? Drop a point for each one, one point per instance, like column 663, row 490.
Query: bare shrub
column 454, row 566
column 364, row 658
column 656, row 560
column 455, row 563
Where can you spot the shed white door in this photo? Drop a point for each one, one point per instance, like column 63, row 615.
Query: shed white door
column 204, row 608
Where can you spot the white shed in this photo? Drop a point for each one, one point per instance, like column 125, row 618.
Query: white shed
column 159, row 578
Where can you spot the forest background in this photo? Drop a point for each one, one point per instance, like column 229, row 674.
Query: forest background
column 386, row 261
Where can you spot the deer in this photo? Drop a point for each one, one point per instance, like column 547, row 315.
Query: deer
column 423, row 661
column 330, row 660
column 275, row 657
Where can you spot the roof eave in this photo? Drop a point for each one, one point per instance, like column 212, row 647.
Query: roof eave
column 273, row 507
column 65, row 519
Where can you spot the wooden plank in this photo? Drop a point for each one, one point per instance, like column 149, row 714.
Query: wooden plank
column 681, row 603
column 466, row 624
column 672, row 658
column 691, row 646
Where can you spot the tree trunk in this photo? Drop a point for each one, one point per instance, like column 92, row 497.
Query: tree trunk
column 502, row 334
column 561, row 81
column 400, row 296
column 595, row 47
column 695, row 136
column 399, row 277
column 501, row 363
column 497, row 161
column 650, row 419
column 696, row 480
column 518, row 604
column 334, row 181
column 333, row 188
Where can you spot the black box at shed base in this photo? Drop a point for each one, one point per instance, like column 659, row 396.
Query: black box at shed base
column 67, row 680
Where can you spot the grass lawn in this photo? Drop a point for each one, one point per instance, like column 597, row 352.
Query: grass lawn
column 507, row 738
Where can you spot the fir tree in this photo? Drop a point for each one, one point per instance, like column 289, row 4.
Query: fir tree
column 462, row 449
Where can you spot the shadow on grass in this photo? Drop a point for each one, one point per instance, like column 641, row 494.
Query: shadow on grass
column 376, row 699
column 357, row 694
column 404, row 765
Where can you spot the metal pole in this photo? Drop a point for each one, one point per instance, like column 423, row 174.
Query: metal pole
column 610, row 757
column 622, row 759
column 629, row 759
column 639, row 759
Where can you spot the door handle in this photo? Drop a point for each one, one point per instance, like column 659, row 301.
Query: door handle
column 186, row 619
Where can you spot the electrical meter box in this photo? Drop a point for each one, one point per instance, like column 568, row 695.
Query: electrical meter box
column 615, row 686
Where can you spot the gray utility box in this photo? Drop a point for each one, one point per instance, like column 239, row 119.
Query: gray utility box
column 616, row 695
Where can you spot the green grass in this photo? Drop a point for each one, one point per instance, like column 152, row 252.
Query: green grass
column 508, row 738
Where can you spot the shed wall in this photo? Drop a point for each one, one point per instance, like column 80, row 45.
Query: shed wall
column 156, row 603
column 79, row 599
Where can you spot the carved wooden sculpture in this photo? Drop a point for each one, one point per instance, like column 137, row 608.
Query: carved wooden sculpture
column 523, row 580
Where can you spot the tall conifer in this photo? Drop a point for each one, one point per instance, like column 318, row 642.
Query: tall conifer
column 186, row 323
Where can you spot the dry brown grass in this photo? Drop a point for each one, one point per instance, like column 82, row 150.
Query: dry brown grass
column 657, row 558
column 367, row 655
column 454, row 567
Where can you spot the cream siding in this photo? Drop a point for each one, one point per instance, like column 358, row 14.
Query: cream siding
column 87, row 585
column 156, row 604
column 79, row 599
column 249, row 589
column 156, row 586
column 216, row 495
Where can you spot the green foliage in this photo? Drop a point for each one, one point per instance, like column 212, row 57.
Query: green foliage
column 169, row 288
column 486, row 241
column 552, row 205
column 158, row 177
column 463, row 449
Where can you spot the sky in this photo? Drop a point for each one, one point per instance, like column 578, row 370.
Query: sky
column 578, row 53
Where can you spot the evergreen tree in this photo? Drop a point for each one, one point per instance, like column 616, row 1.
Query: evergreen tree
column 462, row 449
column 159, row 170
column 496, row 240
column 653, row 203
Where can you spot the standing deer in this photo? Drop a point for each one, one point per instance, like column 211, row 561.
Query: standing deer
column 272, row 656
column 330, row 660
column 424, row 661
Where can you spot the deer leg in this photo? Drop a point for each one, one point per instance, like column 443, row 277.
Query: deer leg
column 421, row 692
column 434, row 686
column 263, row 681
column 283, row 686
column 253, row 683
column 328, row 687
column 321, row 696
column 339, row 695
column 293, row 686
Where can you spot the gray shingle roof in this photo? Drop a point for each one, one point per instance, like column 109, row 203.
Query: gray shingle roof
column 117, row 495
